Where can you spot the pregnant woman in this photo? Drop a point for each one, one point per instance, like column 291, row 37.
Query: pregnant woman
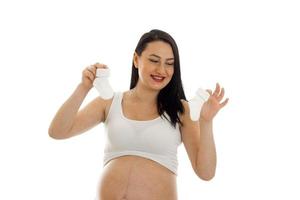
column 145, row 125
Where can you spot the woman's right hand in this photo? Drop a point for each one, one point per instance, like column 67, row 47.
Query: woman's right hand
column 89, row 75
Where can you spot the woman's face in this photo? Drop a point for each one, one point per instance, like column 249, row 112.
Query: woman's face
column 155, row 65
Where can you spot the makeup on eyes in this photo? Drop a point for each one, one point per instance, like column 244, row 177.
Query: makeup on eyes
column 155, row 61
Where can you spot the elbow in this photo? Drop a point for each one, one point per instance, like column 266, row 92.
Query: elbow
column 207, row 176
column 206, row 171
column 52, row 134
column 55, row 135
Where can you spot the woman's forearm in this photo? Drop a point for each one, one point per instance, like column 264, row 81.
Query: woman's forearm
column 206, row 157
column 63, row 120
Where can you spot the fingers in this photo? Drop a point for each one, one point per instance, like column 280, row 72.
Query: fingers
column 91, row 71
column 98, row 65
column 89, row 74
column 218, row 94
column 224, row 103
column 220, row 97
column 217, row 90
column 209, row 91
column 93, row 68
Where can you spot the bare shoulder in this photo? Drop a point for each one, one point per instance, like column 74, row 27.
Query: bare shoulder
column 105, row 105
column 184, row 102
column 98, row 106
column 184, row 117
column 97, row 101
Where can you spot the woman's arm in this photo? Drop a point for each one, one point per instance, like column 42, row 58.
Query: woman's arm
column 64, row 118
column 206, row 155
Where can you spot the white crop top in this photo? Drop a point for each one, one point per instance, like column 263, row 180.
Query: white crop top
column 154, row 139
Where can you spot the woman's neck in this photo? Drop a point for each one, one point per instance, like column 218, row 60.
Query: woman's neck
column 144, row 96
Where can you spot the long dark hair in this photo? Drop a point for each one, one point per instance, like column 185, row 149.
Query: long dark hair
column 168, row 99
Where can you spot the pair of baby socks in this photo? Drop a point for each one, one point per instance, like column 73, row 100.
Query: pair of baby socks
column 101, row 83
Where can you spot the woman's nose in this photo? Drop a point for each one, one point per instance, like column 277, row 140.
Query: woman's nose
column 161, row 69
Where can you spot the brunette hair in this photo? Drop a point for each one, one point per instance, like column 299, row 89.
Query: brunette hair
column 169, row 97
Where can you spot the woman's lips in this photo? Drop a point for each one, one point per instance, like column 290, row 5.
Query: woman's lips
column 158, row 79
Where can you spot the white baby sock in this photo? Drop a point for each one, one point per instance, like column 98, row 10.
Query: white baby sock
column 197, row 102
column 101, row 83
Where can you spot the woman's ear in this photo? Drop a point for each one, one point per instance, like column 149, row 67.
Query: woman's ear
column 135, row 60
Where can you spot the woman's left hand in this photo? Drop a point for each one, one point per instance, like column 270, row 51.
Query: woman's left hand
column 211, row 107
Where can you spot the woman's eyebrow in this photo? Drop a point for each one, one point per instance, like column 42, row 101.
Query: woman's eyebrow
column 159, row 57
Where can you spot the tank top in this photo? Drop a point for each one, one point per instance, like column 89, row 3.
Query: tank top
column 154, row 139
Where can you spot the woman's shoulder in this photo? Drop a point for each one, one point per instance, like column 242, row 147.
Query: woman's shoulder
column 184, row 116
column 107, row 103
column 185, row 104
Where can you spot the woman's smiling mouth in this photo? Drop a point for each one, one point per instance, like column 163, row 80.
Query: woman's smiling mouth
column 157, row 78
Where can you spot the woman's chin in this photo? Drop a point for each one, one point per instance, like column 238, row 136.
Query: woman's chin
column 157, row 86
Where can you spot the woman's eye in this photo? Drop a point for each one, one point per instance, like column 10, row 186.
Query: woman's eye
column 156, row 61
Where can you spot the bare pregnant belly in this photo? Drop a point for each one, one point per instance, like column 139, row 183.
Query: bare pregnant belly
column 136, row 178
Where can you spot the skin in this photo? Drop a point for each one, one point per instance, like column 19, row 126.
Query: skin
column 134, row 177
column 156, row 59
column 145, row 179
column 142, row 178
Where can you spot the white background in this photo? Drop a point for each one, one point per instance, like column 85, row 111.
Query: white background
column 252, row 48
